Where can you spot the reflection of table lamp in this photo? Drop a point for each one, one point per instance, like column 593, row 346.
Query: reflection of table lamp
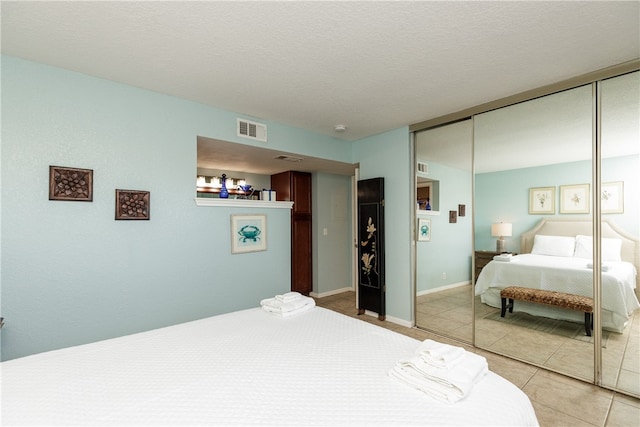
column 501, row 230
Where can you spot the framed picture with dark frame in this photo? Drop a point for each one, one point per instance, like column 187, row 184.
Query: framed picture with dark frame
column 132, row 205
column 453, row 217
column 71, row 184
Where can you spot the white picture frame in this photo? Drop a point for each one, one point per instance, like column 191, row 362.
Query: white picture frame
column 248, row 233
column 574, row 199
column 542, row 200
column 612, row 197
column 424, row 230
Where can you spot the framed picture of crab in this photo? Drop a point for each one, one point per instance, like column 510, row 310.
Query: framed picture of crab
column 132, row 205
column 70, row 184
column 248, row 233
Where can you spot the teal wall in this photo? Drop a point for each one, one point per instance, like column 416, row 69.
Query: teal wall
column 388, row 155
column 504, row 196
column 70, row 273
column 450, row 248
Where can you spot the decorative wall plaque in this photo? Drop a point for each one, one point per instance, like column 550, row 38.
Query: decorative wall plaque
column 70, row 184
column 131, row 204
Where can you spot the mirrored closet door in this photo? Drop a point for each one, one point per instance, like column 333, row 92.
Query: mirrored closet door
column 444, row 221
column 538, row 195
column 620, row 210
column 533, row 164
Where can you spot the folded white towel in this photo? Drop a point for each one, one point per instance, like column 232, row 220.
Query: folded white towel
column 603, row 267
column 503, row 257
column 440, row 355
column 289, row 296
column 447, row 385
column 287, row 309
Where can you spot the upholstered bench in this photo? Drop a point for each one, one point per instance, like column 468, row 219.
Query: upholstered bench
column 557, row 299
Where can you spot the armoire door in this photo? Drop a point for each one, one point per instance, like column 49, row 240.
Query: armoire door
column 296, row 187
column 371, row 281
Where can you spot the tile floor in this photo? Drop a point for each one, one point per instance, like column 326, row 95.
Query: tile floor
column 557, row 399
column 450, row 312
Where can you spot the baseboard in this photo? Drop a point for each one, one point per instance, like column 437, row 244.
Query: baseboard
column 443, row 288
column 391, row 319
column 329, row 293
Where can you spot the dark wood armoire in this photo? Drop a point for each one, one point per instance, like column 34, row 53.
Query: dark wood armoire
column 296, row 187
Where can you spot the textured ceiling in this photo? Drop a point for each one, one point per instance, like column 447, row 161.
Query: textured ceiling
column 372, row 66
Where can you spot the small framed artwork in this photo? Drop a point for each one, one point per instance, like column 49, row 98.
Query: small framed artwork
column 574, row 199
column 461, row 210
column 70, row 184
column 542, row 200
column 453, row 217
column 424, row 230
column 248, row 233
column 132, row 205
column 612, row 197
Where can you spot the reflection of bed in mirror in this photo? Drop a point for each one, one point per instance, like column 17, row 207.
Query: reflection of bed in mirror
column 559, row 259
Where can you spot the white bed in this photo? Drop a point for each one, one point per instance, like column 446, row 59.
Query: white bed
column 244, row 368
column 570, row 274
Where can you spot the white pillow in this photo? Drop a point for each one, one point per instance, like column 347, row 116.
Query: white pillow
column 611, row 248
column 553, row 245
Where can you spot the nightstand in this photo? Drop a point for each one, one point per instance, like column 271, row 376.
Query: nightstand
column 482, row 258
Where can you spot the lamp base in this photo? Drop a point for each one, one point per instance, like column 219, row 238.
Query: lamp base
column 501, row 246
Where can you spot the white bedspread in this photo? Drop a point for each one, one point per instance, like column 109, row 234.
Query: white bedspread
column 563, row 274
column 244, row 368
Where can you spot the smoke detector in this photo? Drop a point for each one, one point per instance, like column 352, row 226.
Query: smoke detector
column 340, row 128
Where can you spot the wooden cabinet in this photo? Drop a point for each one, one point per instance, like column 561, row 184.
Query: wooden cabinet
column 482, row 258
column 296, row 187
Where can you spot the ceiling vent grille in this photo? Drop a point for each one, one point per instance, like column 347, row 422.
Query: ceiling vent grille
column 252, row 130
column 288, row 158
column 423, row 168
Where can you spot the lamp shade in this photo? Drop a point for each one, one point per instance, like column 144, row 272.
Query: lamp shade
column 501, row 229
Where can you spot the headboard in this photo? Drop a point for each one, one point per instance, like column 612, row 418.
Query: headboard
column 630, row 251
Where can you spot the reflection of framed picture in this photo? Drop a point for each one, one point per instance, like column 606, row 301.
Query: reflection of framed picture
column 612, row 197
column 574, row 199
column 248, row 233
column 542, row 200
column 424, row 230
column 132, row 204
column 453, row 217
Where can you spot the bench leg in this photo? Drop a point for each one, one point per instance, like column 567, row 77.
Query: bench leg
column 587, row 323
column 504, row 306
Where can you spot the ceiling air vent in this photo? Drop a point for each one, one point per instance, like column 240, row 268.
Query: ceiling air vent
column 252, row 130
column 423, row 168
column 288, row 158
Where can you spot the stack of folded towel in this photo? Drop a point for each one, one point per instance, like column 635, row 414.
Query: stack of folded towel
column 288, row 304
column 442, row 371
column 603, row 267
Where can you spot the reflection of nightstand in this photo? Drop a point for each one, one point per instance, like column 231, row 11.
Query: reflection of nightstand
column 483, row 258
